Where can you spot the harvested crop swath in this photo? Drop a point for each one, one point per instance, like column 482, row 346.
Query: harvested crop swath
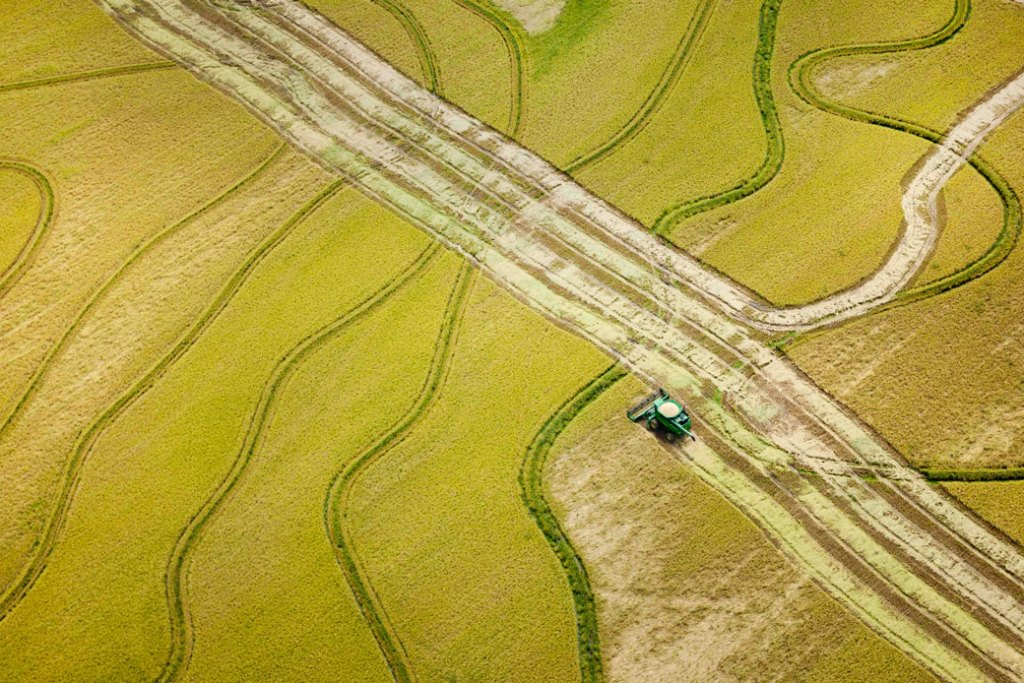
column 687, row 588
column 178, row 441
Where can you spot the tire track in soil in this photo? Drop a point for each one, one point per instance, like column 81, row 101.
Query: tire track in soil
column 428, row 60
column 30, row 249
column 531, row 492
column 517, row 57
column 91, row 434
column 93, row 74
column 339, row 492
column 176, row 575
column 657, row 97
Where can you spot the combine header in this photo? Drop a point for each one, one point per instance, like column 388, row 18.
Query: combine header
column 661, row 413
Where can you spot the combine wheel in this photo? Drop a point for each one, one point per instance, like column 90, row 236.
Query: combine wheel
column 652, row 425
column 670, row 437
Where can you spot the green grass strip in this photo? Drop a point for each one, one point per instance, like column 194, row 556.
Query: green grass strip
column 512, row 36
column 772, row 161
column 339, row 493
column 801, row 73
column 27, row 253
column 182, row 636
column 91, row 434
column 413, row 27
column 657, row 97
column 88, row 75
column 980, row 474
column 531, row 485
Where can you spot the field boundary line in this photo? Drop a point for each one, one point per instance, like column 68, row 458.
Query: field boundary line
column 339, row 491
column 35, row 566
column 670, row 76
column 176, row 573
column 531, row 492
column 27, row 254
column 94, row 74
column 428, row 60
column 517, row 56
column 775, row 142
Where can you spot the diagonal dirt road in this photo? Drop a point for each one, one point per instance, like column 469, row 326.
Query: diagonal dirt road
column 836, row 498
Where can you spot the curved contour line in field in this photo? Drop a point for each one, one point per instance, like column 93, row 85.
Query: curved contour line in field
column 953, row 150
column 182, row 636
column 339, row 490
column 650, row 106
column 29, row 250
column 621, row 325
column 531, row 491
column 112, row 279
column 91, row 434
column 517, row 57
column 772, row 161
column 428, row 60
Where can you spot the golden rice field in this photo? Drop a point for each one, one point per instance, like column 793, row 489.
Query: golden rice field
column 255, row 425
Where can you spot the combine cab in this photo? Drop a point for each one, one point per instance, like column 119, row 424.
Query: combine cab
column 661, row 413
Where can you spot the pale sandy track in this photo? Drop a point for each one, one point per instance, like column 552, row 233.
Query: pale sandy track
column 950, row 600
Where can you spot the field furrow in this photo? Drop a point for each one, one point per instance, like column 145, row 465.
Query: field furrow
column 26, row 253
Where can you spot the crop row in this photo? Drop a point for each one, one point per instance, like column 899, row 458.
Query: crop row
column 531, row 485
column 412, row 26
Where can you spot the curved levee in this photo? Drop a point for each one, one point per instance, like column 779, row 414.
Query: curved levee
column 801, row 73
column 775, row 149
column 177, row 593
column 428, row 60
column 517, row 56
column 97, row 295
column 650, row 106
column 340, row 489
column 29, row 250
column 35, row 566
column 531, row 490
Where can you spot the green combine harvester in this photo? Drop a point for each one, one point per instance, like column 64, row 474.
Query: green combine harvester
column 661, row 413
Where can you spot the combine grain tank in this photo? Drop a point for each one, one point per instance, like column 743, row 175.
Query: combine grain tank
column 663, row 414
